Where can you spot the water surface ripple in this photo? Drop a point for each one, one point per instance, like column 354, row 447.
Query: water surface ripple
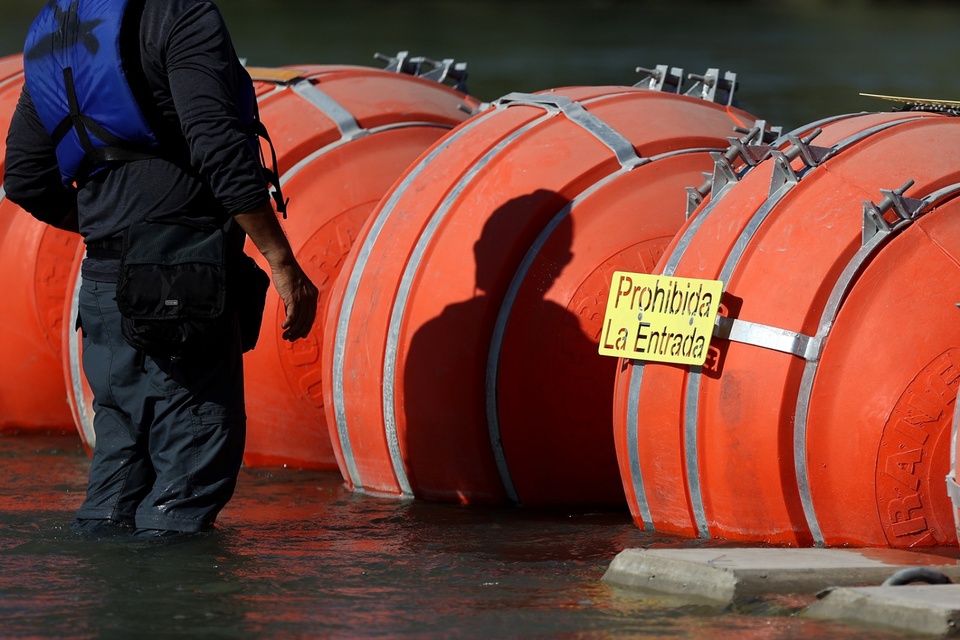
column 298, row 556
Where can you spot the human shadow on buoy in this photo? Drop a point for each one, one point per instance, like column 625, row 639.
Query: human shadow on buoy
column 449, row 446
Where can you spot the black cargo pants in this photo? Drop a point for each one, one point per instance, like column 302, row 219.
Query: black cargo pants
column 169, row 436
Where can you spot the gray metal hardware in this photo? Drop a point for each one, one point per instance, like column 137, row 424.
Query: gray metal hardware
column 694, row 200
column 661, row 78
column 812, row 156
column 767, row 337
column 784, row 177
column 749, row 147
column 346, row 123
column 953, row 489
column 440, row 71
column 708, row 84
column 723, row 174
column 575, row 112
column 905, row 208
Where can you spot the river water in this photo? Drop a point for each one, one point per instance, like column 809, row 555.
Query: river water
column 796, row 60
column 299, row 556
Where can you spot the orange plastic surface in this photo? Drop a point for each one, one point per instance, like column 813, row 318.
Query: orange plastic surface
column 415, row 311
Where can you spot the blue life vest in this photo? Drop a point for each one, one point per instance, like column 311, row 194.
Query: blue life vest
column 74, row 60
column 73, row 68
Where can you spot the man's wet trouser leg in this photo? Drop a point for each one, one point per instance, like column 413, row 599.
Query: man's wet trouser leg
column 169, row 436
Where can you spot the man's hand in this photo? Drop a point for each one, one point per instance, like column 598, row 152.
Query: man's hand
column 299, row 295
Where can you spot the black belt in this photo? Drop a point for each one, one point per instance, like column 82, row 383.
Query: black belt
column 108, row 249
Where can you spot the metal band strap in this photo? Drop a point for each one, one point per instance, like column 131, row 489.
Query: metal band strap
column 346, row 123
column 404, row 290
column 363, row 253
column 84, row 417
column 318, row 153
column 633, row 446
column 953, row 489
column 574, row 111
column 767, row 337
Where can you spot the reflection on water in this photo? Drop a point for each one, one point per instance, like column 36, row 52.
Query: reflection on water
column 298, row 556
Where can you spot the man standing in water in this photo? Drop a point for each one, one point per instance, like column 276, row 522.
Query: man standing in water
column 132, row 110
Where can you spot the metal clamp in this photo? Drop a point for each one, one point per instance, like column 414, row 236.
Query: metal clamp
column 905, row 209
column 708, row 84
column 661, row 78
column 810, row 155
column 422, row 67
column 749, row 148
column 953, row 489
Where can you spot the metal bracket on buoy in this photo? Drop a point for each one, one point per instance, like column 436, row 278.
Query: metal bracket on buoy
column 953, row 489
column 812, row 156
column 784, row 177
column 753, row 148
column 661, row 78
column 709, row 83
column 723, row 174
column 422, row 67
column 750, row 148
column 905, row 209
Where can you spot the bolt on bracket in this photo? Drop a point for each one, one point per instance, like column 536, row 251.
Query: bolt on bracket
column 904, row 208
column 708, row 85
column 440, row 71
column 661, row 78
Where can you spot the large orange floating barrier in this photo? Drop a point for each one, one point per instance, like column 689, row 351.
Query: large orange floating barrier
column 821, row 416
column 460, row 347
column 342, row 135
column 35, row 260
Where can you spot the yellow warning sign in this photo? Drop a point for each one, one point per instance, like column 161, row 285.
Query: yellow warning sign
column 659, row 318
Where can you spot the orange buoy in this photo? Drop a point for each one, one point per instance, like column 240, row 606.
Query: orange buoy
column 35, row 260
column 896, row 495
column 11, row 66
column 11, row 83
column 460, row 342
column 805, row 426
column 342, row 135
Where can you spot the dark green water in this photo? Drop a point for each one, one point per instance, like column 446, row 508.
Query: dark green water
column 299, row 556
column 797, row 60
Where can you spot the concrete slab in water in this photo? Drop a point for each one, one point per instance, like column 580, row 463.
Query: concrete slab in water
column 922, row 608
column 727, row 575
